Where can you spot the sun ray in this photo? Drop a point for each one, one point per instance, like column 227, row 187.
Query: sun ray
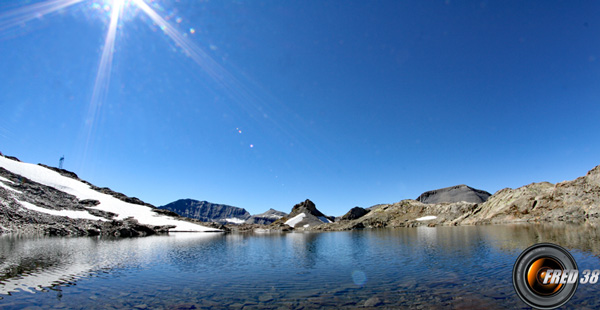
column 252, row 104
column 22, row 15
column 194, row 52
column 102, row 82
column 246, row 99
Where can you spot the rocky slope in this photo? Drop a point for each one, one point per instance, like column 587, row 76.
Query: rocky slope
column 456, row 193
column 39, row 199
column 207, row 212
column 576, row 201
column 266, row 218
column 406, row 213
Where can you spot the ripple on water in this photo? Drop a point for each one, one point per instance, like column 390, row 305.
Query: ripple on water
column 456, row 267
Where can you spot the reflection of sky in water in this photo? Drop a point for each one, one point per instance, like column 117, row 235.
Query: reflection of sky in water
column 403, row 267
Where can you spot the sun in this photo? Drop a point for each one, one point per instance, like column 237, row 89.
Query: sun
column 115, row 8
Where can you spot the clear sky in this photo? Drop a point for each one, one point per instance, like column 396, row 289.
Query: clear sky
column 262, row 104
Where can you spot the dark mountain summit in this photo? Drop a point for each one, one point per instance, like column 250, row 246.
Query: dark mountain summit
column 207, row 212
column 305, row 214
column 456, row 193
column 355, row 213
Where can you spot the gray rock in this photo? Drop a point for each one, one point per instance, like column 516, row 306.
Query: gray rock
column 265, row 298
column 456, row 193
column 372, row 302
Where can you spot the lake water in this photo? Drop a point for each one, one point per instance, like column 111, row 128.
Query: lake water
column 441, row 267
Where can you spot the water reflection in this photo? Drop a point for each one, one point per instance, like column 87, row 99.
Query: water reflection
column 409, row 267
column 33, row 263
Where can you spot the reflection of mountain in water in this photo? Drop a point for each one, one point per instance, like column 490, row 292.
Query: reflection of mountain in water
column 251, row 263
column 30, row 264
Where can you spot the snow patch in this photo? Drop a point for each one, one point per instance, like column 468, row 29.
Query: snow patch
column 235, row 220
column 3, row 179
column 108, row 203
column 68, row 213
column 324, row 219
column 270, row 216
column 306, row 225
column 427, row 218
column 10, row 188
column 295, row 220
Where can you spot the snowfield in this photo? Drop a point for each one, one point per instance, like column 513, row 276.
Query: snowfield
column 235, row 220
column 82, row 191
column 427, row 218
column 295, row 220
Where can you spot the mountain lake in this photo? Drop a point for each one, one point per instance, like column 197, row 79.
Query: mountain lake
column 424, row 268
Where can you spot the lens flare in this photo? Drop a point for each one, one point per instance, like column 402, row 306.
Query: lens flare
column 102, row 81
column 22, row 15
column 248, row 101
column 359, row 278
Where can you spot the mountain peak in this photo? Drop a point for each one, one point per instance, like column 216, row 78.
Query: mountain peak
column 306, row 214
column 455, row 193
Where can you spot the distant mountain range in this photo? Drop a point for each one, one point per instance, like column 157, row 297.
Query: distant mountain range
column 305, row 214
column 41, row 199
column 207, row 212
column 212, row 212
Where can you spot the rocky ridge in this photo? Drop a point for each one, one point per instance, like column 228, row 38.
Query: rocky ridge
column 576, row 201
column 207, row 212
column 29, row 207
column 15, row 218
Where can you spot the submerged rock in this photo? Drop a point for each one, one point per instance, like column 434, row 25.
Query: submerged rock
column 372, row 302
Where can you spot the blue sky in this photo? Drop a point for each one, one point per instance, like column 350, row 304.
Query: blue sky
column 347, row 103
